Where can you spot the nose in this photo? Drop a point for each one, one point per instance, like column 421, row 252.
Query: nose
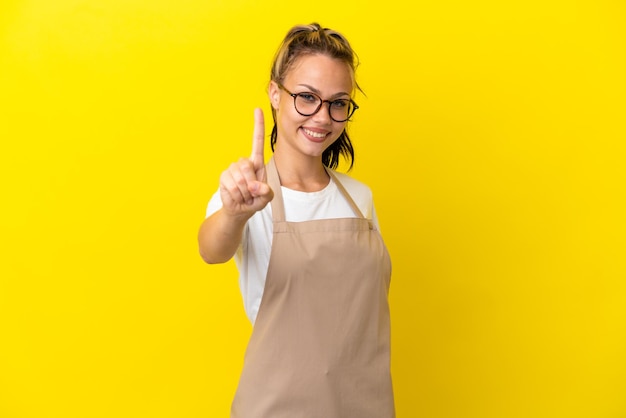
column 322, row 116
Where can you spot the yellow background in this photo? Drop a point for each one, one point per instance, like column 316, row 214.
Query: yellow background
column 492, row 135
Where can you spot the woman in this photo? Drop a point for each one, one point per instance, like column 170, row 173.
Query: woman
column 314, row 271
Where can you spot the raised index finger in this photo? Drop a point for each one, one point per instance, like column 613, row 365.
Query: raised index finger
column 258, row 139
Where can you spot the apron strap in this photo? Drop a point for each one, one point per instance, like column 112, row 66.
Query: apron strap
column 345, row 194
column 278, row 206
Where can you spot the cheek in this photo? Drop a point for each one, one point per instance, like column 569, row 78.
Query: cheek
column 337, row 133
column 287, row 114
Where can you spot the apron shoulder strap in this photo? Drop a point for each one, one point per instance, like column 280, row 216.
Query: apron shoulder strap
column 278, row 207
column 345, row 194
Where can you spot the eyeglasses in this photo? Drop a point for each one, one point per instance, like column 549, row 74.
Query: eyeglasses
column 308, row 104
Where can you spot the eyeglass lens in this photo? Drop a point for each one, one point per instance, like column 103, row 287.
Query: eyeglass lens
column 307, row 104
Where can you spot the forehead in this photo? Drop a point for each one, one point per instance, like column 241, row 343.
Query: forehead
column 322, row 72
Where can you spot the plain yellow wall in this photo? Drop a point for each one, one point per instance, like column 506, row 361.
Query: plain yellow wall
column 492, row 135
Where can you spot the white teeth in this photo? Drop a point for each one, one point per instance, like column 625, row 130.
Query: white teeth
column 314, row 134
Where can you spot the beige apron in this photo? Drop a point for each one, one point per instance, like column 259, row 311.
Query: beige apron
column 320, row 344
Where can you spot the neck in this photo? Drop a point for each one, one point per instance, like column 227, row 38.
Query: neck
column 301, row 174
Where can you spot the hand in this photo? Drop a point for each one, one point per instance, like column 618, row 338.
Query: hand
column 243, row 186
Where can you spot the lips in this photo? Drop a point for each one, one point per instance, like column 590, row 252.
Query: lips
column 315, row 135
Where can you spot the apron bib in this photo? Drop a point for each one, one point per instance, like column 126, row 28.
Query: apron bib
column 320, row 347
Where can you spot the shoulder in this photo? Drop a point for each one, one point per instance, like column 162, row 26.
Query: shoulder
column 356, row 188
column 359, row 192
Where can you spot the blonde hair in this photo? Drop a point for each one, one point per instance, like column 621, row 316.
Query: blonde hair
column 308, row 40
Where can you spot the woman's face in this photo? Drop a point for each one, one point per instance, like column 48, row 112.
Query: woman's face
column 309, row 136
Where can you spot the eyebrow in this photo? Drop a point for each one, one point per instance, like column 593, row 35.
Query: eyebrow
column 316, row 91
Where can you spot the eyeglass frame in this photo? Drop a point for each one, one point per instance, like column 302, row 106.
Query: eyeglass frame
column 321, row 103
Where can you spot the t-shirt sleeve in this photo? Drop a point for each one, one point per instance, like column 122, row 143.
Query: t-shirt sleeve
column 214, row 205
column 374, row 217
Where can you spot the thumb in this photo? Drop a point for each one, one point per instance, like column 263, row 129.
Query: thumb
column 261, row 190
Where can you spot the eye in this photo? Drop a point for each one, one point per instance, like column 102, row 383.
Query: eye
column 340, row 104
column 308, row 97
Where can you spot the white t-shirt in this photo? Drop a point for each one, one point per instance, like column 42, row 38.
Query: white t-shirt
column 253, row 256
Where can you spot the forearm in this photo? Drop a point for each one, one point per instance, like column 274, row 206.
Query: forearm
column 220, row 236
column 243, row 192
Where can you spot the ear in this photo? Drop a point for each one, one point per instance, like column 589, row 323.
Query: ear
column 274, row 94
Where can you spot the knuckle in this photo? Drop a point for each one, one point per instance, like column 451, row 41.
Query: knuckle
column 231, row 189
column 240, row 180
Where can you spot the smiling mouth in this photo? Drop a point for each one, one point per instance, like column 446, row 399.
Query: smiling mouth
column 319, row 135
